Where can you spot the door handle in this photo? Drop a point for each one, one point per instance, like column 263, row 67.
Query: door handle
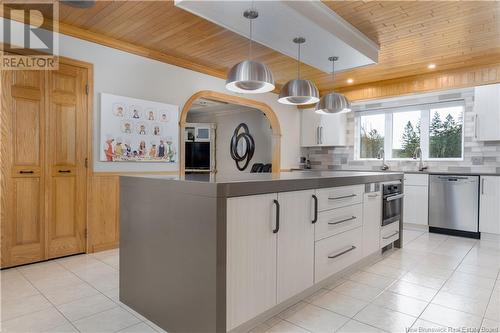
column 315, row 198
column 476, row 120
column 321, row 135
column 391, row 235
column 277, row 227
column 342, row 221
column 333, row 256
column 317, row 135
column 26, row 172
column 482, row 186
column 64, row 171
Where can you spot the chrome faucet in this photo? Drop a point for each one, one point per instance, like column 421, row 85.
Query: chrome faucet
column 418, row 154
column 381, row 155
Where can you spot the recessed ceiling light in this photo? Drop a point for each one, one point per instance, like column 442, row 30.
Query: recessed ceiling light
column 350, row 81
column 431, row 66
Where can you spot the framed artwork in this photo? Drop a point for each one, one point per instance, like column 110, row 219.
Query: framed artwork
column 138, row 130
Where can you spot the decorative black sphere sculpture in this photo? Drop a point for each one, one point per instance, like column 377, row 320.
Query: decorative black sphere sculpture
column 242, row 146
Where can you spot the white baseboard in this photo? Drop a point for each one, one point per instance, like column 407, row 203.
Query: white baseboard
column 418, row 227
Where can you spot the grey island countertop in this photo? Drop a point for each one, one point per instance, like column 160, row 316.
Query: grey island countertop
column 231, row 185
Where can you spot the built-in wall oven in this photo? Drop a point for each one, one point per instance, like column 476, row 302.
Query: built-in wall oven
column 392, row 203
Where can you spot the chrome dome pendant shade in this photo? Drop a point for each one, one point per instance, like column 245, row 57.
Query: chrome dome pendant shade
column 333, row 103
column 249, row 76
column 298, row 91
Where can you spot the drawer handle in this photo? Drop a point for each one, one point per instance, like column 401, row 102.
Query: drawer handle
column 390, row 236
column 26, row 171
column 277, row 228
column 333, row 256
column 64, row 171
column 342, row 221
column 343, row 197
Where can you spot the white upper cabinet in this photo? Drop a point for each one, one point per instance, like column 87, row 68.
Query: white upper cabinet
column 489, row 211
column 487, row 110
column 323, row 130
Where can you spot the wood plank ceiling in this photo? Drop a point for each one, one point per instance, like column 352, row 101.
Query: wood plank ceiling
column 411, row 34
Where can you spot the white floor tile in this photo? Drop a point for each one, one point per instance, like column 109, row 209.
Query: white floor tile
column 69, row 294
column 12, row 308
column 286, row 327
column 490, row 325
column 371, row 279
column 16, row 288
column 358, row 290
column 354, row 326
column 413, row 290
column 385, row 319
column 449, row 317
column 461, row 303
column 40, row 321
column 493, row 309
column 111, row 320
column 464, row 289
column 404, row 304
column 313, row 318
column 138, row 328
column 483, row 271
column 423, row 280
column 427, row 326
column 385, row 270
column 473, row 280
column 86, row 307
column 341, row 304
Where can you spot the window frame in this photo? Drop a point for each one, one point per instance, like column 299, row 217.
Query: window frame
column 425, row 115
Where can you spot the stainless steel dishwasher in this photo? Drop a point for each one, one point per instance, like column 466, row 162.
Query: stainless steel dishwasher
column 454, row 205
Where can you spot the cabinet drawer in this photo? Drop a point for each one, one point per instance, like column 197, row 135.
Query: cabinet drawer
column 389, row 234
column 334, row 221
column 413, row 179
column 335, row 197
column 337, row 252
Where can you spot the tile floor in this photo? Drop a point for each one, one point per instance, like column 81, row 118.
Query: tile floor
column 435, row 281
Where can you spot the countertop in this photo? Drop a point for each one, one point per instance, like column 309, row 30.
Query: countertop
column 426, row 172
column 260, row 183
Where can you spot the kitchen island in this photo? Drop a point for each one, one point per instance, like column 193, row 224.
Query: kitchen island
column 223, row 254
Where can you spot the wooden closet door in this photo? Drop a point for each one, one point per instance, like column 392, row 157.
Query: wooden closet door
column 22, row 167
column 67, row 150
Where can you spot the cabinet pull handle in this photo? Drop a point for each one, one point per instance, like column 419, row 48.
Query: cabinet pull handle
column 317, row 135
column 315, row 198
column 343, row 197
column 64, row 171
column 277, row 228
column 333, row 256
column 372, row 195
column 26, row 171
column 391, row 235
column 476, row 119
column 342, row 221
column 482, row 186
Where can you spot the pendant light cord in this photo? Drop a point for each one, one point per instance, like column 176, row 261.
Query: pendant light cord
column 250, row 45
column 333, row 74
column 298, row 65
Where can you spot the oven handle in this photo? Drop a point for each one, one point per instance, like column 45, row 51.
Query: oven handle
column 395, row 197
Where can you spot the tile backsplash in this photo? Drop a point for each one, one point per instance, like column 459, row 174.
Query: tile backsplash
column 479, row 156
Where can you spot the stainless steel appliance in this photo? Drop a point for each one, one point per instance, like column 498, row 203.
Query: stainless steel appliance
column 454, row 205
column 392, row 203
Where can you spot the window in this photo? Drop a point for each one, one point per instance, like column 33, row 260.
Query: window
column 437, row 129
column 371, row 135
column 445, row 132
column 405, row 133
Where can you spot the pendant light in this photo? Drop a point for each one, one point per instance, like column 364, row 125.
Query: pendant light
column 333, row 102
column 298, row 91
column 249, row 76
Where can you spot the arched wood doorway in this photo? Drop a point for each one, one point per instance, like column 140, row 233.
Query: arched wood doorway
column 217, row 96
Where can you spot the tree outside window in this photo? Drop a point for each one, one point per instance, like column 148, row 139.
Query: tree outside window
column 445, row 132
column 371, row 135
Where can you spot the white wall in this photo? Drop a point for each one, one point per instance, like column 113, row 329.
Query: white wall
column 125, row 74
column 258, row 126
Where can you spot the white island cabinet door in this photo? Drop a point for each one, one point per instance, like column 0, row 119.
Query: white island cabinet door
column 487, row 110
column 489, row 206
column 416, row 205
column 295, row 243
column 372, row 220
column 251, row 257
